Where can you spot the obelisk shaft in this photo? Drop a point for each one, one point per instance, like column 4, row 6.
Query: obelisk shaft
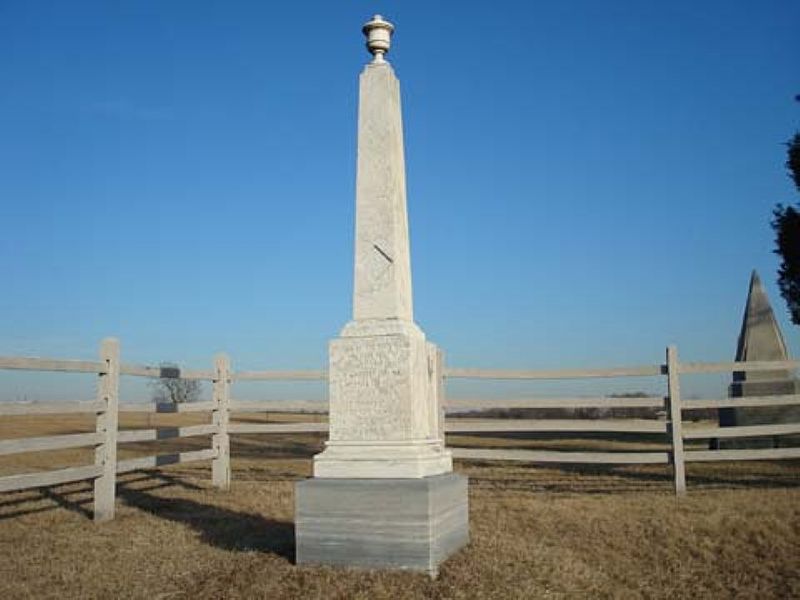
column 383, row 375
column 383, row 493
column 382, row 277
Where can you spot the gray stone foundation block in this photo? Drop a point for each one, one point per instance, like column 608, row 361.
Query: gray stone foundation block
column 767, row 415
column 381, row 523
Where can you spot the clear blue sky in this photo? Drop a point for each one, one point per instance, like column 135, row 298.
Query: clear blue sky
column 587, row 182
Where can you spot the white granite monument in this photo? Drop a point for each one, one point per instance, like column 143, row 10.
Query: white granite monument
column 383, row 492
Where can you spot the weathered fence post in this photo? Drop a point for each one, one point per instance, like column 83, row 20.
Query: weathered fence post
column 105, row 455
column 221, row 464
column 675, row 424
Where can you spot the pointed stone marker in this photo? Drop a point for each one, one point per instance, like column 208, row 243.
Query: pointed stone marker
column 383, row 492
column 760, row 339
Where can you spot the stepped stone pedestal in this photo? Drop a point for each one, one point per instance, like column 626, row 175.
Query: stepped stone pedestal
column 760, row 339
column 383, row 493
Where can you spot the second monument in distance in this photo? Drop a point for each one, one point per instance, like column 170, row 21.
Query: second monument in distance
column 383, row 492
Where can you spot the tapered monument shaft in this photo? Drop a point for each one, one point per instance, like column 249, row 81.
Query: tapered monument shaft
column 383, row 492
column 382, row 279
column 385, row 417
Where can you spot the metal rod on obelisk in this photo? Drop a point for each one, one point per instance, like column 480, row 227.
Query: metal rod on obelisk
column 383, row 492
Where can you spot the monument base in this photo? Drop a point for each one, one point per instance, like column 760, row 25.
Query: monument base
column 387, row 460
column 412, row 524
column 758, row 415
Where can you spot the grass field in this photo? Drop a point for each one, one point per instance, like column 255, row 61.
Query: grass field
column 537, row 532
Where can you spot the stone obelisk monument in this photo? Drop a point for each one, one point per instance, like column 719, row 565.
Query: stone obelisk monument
column 760, row 339
column 383, row 492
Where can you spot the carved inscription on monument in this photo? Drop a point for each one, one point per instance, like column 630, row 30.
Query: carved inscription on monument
column 369, row 389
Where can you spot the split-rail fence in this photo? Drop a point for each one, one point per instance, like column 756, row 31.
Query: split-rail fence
column 107, row 407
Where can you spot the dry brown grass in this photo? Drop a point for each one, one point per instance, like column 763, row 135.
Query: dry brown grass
column 536, row 532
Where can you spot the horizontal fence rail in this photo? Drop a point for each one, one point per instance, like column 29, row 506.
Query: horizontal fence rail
column 743, row 402
column 164, row 372
column 644, row 371
column 167, row 407
column 746, row 366
column 269, row 406
column 44, row 408
column 554, row 456
column 164, row 433
column 743, row 454
column 54, row 442
column 583, row 425
column 464, row 417
column 161, row 460
column 49, row 364
column 602, row 402
column 15, row 483
column 279, row 375
column 277, row 427
column 741, row 431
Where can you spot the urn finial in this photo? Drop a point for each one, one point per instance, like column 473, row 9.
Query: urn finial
column 379, row 36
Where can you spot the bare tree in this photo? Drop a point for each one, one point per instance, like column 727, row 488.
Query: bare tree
column 171, row 388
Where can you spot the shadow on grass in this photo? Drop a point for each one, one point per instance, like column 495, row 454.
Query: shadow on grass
column 738, row 479
column 219, row 527
column 29, row 501
column 63, row 496
column 617, row 479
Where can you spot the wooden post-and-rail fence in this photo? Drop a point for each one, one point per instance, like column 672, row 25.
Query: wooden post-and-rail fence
column 108, row 436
